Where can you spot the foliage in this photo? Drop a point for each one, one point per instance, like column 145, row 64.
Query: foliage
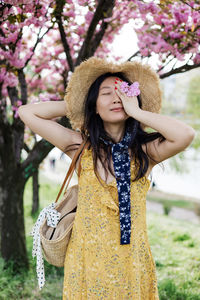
column 24, row 286
column 167, row 30
column 183, row 237
column 169, row 290
column 166, row 208
column 50, row 38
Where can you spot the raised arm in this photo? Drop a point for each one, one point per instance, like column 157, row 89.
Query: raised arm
column 178, row 135
column 40, row 118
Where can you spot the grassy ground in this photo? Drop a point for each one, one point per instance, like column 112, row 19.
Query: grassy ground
column 175, row 246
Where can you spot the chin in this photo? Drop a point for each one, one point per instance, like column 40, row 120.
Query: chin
column 121, row 117
column 115, row 120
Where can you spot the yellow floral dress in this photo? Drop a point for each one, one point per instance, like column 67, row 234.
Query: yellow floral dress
column 96, row 265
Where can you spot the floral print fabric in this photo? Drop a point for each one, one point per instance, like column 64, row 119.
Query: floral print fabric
column 97, row 267
column 121, row 162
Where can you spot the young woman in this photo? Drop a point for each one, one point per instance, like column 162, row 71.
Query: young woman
column 108, row 256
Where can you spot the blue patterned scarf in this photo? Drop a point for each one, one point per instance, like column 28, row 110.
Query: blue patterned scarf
column 121, row 162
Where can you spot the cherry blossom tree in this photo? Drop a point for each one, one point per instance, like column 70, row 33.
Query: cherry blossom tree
column 171, row 30
column 31, row 30
column 41, row 42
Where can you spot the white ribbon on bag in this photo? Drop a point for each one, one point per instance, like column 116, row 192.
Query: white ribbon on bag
column 52, row 216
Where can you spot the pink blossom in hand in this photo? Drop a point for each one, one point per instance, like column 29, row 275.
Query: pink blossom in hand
column 132, row 90
column 124, row 87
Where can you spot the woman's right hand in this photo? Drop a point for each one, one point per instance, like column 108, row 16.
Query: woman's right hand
column 40, row 118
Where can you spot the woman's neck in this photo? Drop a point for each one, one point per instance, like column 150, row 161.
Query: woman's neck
column 116, row 131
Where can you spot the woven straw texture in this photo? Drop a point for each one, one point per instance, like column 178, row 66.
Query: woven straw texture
column 88, row 71
column 55, row 249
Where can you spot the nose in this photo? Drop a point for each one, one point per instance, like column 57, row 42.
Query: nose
column 116, row 98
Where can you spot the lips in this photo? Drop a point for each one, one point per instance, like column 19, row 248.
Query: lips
column 117, row 108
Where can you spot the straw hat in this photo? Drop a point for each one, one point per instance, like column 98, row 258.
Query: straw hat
column 88, row 71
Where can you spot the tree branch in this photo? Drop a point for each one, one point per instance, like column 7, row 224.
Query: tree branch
column 36, row 43
column 166, row 63
column 3, row 6
column 23, row 86
column 3, row 35
column 17, row 126
column 13, row 94
column 26, row 148
column 35, row 157
column 3, row 115
column 6, row 141
column 134, row 55
column 13, row 46
column 103, row 10
column 181, row 69
column 58, row 14
column 97, row 39
column 189, row 5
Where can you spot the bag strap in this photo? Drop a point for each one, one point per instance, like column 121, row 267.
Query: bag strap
column 72, row 167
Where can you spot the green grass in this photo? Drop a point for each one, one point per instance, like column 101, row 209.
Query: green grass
column 175, row 247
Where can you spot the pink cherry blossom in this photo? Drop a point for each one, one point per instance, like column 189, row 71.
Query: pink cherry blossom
column 124, row 87
column 89, row 16
column 132, row 90
column 197, row 58
column 171, row 30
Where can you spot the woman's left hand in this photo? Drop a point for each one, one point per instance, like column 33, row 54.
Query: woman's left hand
column 130, row 104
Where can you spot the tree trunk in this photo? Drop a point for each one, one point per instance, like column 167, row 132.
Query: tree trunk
column 35, row 201
column 13, row 246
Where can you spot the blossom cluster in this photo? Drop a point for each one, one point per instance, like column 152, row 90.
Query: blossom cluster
column 130, row 90
column 170, row 30
column 30, row 39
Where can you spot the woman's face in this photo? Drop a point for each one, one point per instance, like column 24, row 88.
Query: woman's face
column 109, row 105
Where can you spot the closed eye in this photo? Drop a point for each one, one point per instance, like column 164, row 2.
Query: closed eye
column 106, row 94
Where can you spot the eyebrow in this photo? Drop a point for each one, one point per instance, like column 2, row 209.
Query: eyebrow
column 105, row 87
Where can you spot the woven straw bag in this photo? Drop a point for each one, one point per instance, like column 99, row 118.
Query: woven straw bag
column 54, row 241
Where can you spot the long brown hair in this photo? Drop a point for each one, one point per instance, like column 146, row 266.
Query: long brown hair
column 93, row 129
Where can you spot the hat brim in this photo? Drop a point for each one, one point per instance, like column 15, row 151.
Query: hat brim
column 88, row 71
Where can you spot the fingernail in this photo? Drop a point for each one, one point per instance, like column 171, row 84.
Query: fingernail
column 116, row 78
column 115, row 82
column 115, row 88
